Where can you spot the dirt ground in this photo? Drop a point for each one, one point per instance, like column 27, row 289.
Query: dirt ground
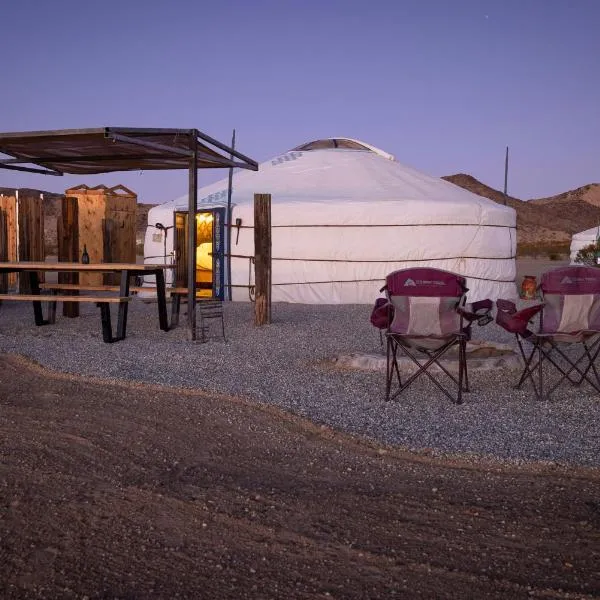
column 117, row 491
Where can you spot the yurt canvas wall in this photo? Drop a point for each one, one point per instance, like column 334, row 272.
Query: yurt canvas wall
column 344, row 215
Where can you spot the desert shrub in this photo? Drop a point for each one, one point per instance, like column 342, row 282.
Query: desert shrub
column 588, row 255
column 552, row 250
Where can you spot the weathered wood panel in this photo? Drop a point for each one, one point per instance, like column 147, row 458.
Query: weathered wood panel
column 91, row 209
column 31, row 234
column 3, row 249
column 8, row 204
column 68, row 247
column 107, row 227
column 120, row 228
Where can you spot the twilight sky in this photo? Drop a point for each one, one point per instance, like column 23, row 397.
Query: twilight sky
column 444, row 85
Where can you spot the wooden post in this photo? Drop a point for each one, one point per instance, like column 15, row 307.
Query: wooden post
column 192, row 236
column 68, row 247
column 262, row 258
column 108, row 246
column 3, row 248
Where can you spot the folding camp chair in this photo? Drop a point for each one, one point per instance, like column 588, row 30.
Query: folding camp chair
column 426, row 315
column 567, row 336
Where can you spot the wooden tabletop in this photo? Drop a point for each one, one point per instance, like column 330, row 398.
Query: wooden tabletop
column 75, row 266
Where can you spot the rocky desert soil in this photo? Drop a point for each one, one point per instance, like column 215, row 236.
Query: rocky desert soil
column 130, row 491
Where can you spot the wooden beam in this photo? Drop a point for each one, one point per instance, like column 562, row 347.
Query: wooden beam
column 262, row 258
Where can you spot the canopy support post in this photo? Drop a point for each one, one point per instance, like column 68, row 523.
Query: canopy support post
column 192, row 241
column 229, row 211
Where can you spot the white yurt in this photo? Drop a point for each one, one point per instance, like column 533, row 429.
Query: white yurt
column 344, row 214
column 582, row 239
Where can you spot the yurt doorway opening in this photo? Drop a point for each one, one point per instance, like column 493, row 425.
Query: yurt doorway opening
column 209, row 251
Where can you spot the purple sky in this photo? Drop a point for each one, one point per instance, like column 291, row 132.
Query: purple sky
column 444, row 85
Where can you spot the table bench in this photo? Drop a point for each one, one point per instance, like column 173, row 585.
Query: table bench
column 176, row 293
column 121, row 298
column 207, row 309
column 101, row 301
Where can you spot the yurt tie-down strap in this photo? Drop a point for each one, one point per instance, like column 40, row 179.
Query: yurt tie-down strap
column 330, row 260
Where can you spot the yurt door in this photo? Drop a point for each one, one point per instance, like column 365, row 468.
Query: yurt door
column 210, row 251
column 180, row 246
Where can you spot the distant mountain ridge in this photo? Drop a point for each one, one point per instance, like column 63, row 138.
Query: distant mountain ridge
column 543, row 220
column 539, row 221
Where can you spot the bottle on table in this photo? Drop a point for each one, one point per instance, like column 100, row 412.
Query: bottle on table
column 85, row 257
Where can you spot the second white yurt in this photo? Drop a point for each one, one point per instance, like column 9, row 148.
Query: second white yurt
column 344, row 215
column 582, row 239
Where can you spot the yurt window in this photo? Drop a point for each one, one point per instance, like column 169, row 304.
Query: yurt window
column 333, row 143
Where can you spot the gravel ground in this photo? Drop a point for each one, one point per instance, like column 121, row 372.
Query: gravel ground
column 288, row 364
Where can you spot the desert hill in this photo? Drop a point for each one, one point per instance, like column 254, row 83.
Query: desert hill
column 540, row 221
column 544, row 220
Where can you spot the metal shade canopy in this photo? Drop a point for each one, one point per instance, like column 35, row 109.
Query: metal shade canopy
column 109, row 149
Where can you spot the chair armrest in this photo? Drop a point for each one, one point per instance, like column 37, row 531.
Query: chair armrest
column 478, row 311
column 515, row 321
column 382, row 313
column 507, row 306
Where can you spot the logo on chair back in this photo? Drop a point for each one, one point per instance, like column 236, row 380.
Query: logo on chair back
column 412, row 283
column 569, row 280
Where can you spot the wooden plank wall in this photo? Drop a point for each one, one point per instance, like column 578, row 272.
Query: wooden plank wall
column 31, row 234
column 68, row 246
column 8, row 205
column 121, row 209
column 119, row 228
column 3, row 249
column 91, row 208
column 107, row 221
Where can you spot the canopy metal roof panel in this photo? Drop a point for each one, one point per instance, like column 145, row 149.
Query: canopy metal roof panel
column 108, row 149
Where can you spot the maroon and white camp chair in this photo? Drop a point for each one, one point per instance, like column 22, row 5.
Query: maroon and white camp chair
column 567, row 336
column 424, row 316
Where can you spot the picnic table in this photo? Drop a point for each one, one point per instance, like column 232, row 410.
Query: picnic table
column 124, row 291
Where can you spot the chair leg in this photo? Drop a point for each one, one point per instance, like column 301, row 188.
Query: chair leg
column 529, row 369
column 392, row 366
column 460, row 371
column 464, row 363
column 424, row 369
column 540, row 371
column 592, row 363
column 388, row 378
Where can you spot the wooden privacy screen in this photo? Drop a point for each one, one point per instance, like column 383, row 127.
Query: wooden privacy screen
column 68, row 247
column 30, row 222
column 8, row 236
column 106, row 227
column 3, row 250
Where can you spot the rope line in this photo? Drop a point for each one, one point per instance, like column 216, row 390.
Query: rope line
column 381, row 279
column 339, row 260
column 339, row 226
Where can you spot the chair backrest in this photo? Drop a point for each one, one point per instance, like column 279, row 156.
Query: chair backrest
column 571, row 300
column 425, row 301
